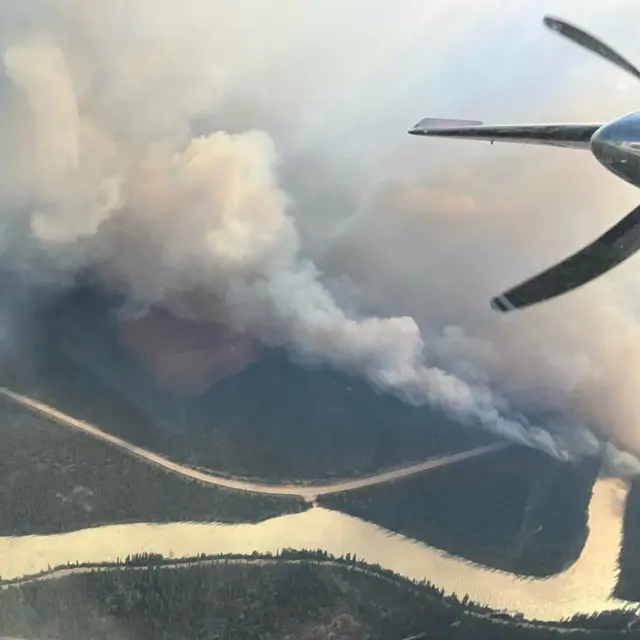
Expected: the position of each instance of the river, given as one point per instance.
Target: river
(585, 587)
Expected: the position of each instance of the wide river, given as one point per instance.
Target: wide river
(585, 587)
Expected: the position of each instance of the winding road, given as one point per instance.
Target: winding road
(306, 491)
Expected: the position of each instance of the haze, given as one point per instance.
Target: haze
(259, 158)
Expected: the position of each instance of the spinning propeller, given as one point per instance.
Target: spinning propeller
(618, 243)
(616, 145)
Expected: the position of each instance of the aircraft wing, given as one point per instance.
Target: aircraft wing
(572, 136)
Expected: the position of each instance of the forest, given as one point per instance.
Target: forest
(54, 479)
(517, 509)
(276, 421)
(628, 586)
(302, 595)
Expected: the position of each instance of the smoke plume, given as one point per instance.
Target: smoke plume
(235, 164)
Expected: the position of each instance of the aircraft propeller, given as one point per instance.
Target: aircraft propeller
(591, 43)
(613, 247)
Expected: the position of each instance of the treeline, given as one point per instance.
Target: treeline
(54, 479)
(518, 509)
(616, 620)
(276, 421)
(263, 596)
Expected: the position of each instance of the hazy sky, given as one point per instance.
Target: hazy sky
(261, 157)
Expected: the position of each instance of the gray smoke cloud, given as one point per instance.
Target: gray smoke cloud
(259, 159)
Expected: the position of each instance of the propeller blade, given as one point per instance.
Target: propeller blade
(591, 43)
(608, 251)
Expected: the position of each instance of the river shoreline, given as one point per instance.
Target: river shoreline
(583, 588)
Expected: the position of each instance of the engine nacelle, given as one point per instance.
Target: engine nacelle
(616, 145)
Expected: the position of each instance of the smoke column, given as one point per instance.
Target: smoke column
(204, 156)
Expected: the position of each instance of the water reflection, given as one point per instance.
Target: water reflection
(583, 588)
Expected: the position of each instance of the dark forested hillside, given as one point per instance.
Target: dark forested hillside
(54, 479)
(517, 509)
(274, 421)
(628, 586)
(299, 595)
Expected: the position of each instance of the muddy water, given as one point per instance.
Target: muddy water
(583, 588)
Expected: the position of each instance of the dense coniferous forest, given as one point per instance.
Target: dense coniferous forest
(298, 595)
(53, 479)
(518, 509)
(275, 421)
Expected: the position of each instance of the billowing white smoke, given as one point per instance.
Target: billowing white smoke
(117, 178)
